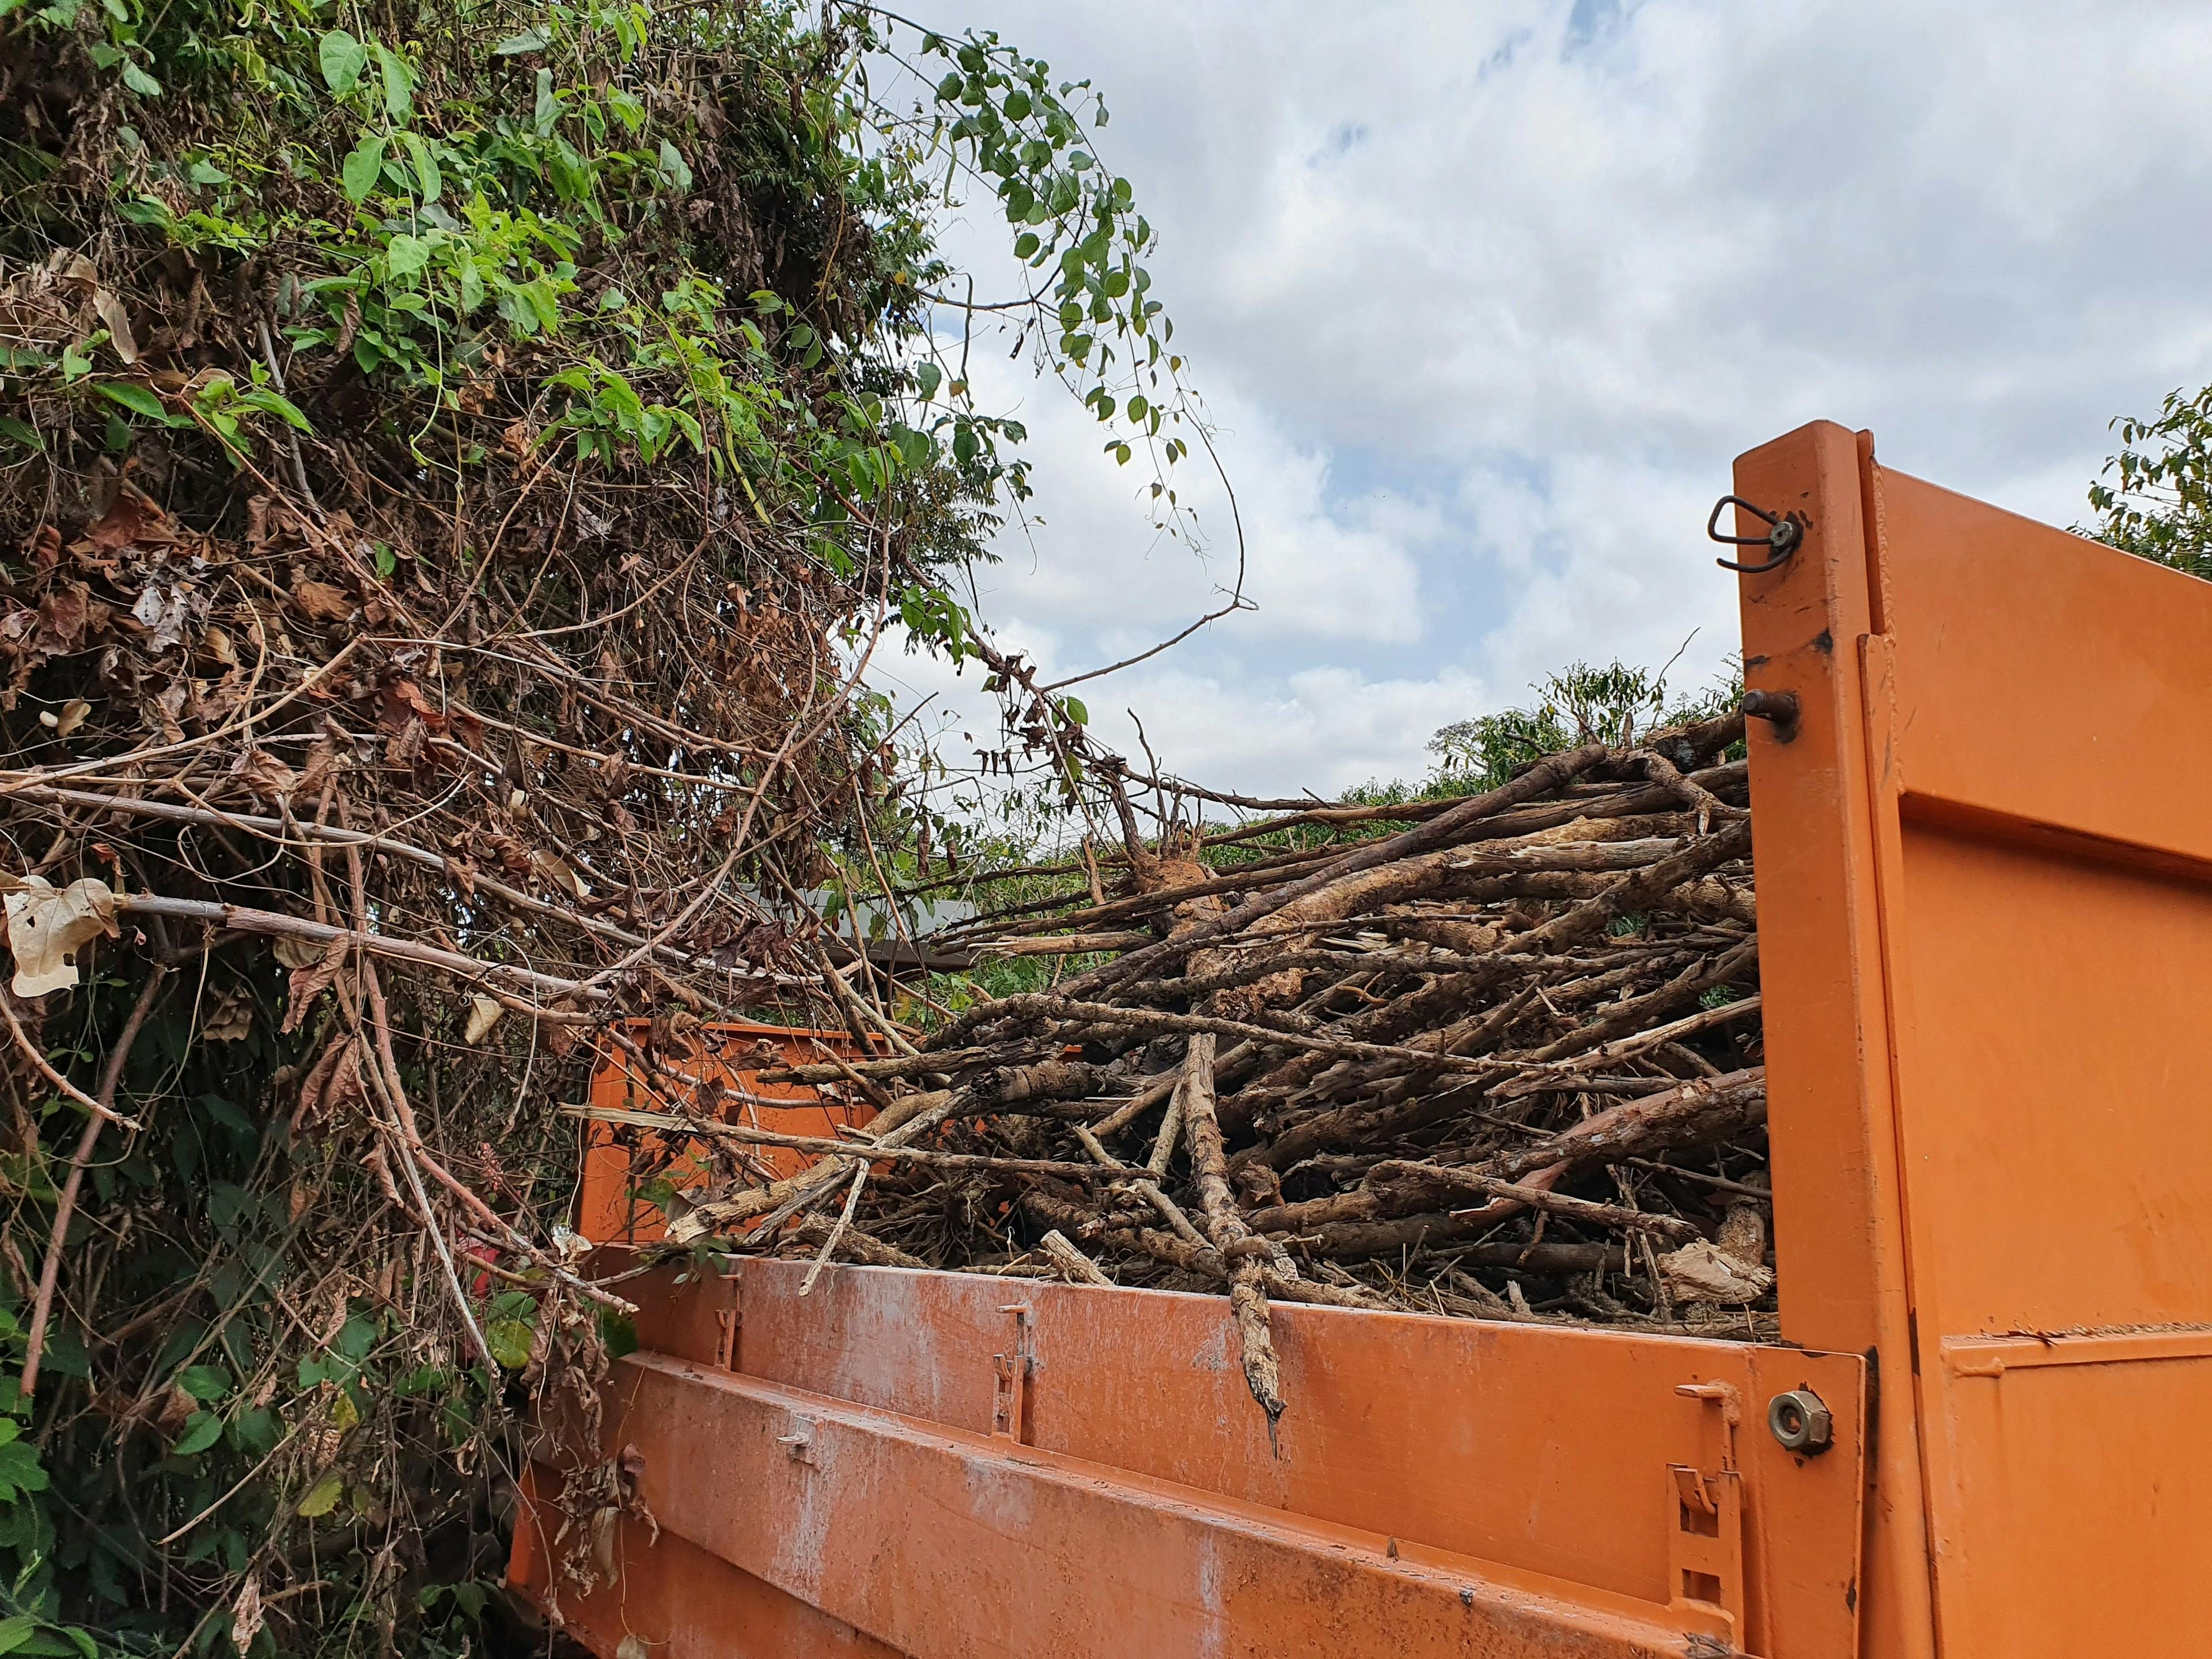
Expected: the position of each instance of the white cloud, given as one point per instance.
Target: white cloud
(1314, 570)
(1488, 295)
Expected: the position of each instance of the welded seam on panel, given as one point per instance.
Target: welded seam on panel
(1993, 1356)
(1882, 779)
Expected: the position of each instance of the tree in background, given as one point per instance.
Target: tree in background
(1579, 704)
(2158, 504)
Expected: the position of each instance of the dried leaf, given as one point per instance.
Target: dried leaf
(320, 760)
(265, 776)
(231, 1018)
(47, 928)
(321, 602)
(484, 1014)
(246, 1614)
(131, 520)
(175, 1408)
(118, 323)
(311, 982)
(72, 716)
(557, 872)
(163, 612)
(295, 952)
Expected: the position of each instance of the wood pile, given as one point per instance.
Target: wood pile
(1497, 1056)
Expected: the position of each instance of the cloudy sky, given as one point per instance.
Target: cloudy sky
(1486, 295)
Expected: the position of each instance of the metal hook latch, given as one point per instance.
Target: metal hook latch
(1781, 540)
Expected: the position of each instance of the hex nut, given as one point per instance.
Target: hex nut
(1800, 1423)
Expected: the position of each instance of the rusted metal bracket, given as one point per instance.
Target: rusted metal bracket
(729, 1322)
(1704, 1546)
(1011, 1375)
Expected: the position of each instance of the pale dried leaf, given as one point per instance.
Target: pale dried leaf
(246, 1614)
(557, 872)
(47, 928)
(72, 716)
(484, 1014)
(294, 953)
(118, 323)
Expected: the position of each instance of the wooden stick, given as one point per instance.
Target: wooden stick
(66, 1207)
(1246, 1255)
(872, 1152)
(1074, 1267)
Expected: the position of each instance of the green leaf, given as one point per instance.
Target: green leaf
(139, 81)
(205, 1383)
(510, 1341)
(426, 166)
(398, 84)
(1075, 710)
(14, 1632)
(275, 402)
(927, 377)
(202, 1430)
(138, 399)
(516, 45)
(21, 432)
(356, 1337)
(362, 167)
(322, 1498)
(343, 58)
(20, 1469)
(404, 255)
(255, 1431)
(673, 165)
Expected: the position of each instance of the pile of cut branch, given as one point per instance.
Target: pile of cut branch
(1496, 1055)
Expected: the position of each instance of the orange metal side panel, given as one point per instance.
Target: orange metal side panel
(1521, 1456)
(732, 1055)
(682, 1600)
(945, 1545)
(1986, 1031)
(2046, 805)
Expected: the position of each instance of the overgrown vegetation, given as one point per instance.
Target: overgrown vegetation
(455, 462)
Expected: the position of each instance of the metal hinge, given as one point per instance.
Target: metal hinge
(1012, 1373)
(1705, 1545)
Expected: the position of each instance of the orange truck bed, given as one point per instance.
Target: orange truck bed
(1985, 876)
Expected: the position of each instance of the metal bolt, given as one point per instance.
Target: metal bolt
(1799, 1422)
(1780, 708)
